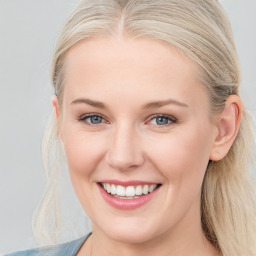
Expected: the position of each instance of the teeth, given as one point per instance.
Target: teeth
(152, 188)
(108, 188)
(145, 189)
(120, 190)
(138, 190)
(113, 189)
(128, 192)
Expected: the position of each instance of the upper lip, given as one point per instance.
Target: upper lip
(128, 182)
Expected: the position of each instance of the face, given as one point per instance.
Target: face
(135, 122)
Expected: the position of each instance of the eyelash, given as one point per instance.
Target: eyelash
(83, 118)
(171, 119)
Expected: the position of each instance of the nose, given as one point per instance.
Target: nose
(124, 149)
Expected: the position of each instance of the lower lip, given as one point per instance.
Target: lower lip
(127, 204)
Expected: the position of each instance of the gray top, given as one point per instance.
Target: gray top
(66, 249)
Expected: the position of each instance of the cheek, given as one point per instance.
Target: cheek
(182, 160)
(83, 151)
(182, 156)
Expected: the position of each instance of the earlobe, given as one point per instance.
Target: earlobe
(55, 105)
(228, 126)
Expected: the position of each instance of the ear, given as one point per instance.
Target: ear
(227, 126)
(55, 105)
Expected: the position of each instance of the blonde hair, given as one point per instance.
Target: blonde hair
(201, 30)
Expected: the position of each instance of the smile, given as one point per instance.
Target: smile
(129, 195)
(128, 192)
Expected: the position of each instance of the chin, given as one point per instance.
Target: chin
(132, 233)
(129, 237)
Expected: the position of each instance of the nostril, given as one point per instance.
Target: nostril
(124, 149)
(124, 162)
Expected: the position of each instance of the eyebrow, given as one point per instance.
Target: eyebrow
(158, 104)
(151, 105)
(90, 102)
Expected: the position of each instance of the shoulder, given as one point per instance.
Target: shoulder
(69, 249)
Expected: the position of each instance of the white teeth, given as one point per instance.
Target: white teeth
(138, 190)
(113, 189)
(108, 188)
(130, 191)
(120, 190)
(152, 188)
(145, 189)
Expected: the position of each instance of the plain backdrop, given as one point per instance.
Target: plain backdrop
(28, 33)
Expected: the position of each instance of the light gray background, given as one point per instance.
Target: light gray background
(28, 33)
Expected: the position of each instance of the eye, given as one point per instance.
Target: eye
(162, 120)
(92, 119)
(95, 119)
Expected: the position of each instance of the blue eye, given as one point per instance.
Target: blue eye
(162, 120)
(92, 119)
(95, 119)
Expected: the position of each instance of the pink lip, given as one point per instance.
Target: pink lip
(127, 183)
(126, 204)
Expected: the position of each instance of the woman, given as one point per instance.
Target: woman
(157, 140)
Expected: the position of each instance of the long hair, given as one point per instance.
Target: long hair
(201, 30)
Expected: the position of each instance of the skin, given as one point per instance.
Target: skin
(126, 75)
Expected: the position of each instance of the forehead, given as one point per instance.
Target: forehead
(114, 66)
(142, 52)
